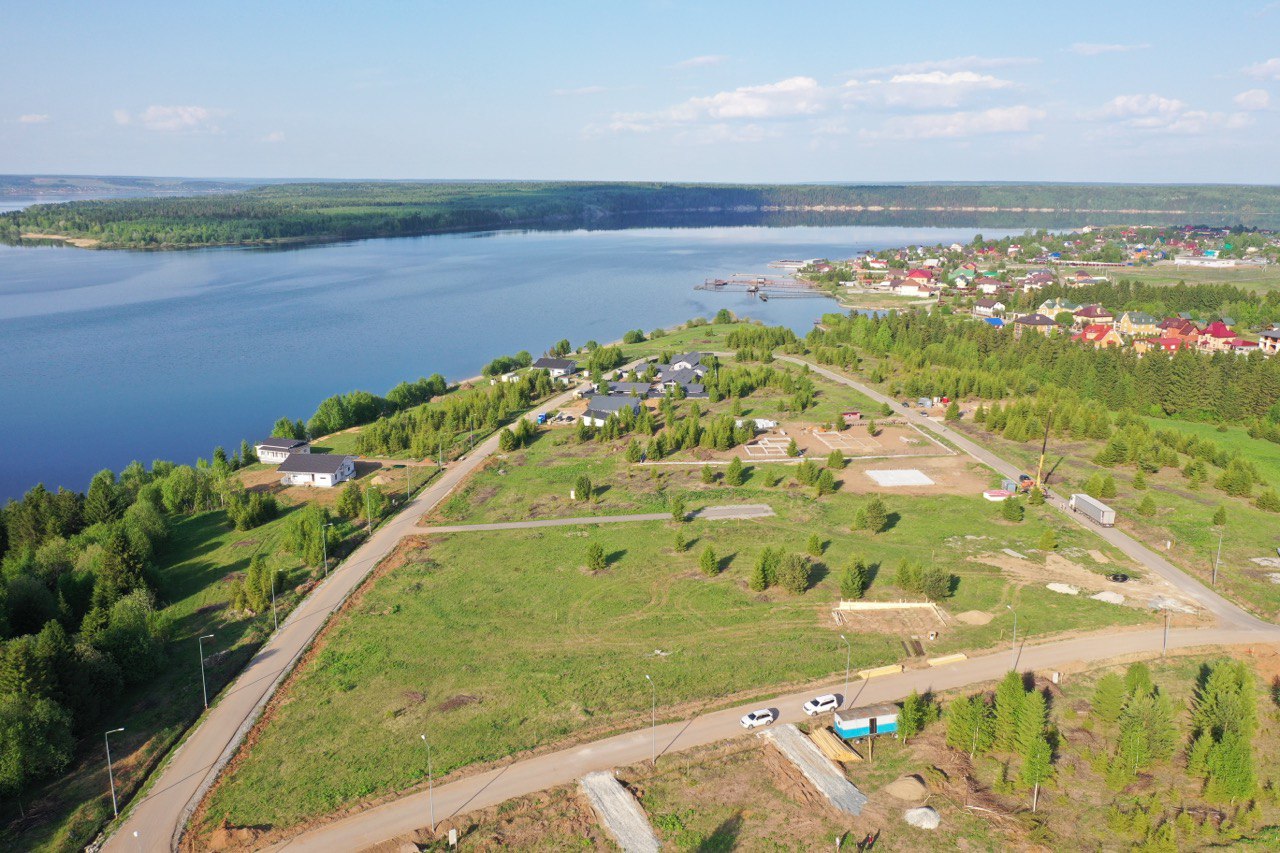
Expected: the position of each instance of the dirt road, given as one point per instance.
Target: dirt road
(408, 814)
(710, 513)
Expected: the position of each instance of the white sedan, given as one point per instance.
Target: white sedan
(758, 718)
(821, 704)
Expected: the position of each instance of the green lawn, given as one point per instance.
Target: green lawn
(1258, 279)
(1262, 453)
(493, 643)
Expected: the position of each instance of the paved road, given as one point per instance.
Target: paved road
(1229, 614)
(538, 773)
(711, 513)
(159, 817)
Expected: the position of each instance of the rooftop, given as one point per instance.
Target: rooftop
(312, 463)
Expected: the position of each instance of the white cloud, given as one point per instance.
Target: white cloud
(173, 119)
(1170, 115)
(1094, 49)
(997, 120)
(700, 61)
(956, 64)
(795, 96)
(581, 90)
(1265, 70)
(923, 89)
(274, 136)
(1253, 99)
(33, 118)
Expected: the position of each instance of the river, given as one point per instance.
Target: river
(110, 356)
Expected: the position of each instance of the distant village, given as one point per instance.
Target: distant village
(988, 279)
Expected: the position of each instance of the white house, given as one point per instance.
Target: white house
(274, 450)
(316, 469)
(557, 367)
(601, 408)
(989, 308)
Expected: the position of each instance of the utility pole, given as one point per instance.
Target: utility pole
(1014, 660)
(324, 544)
(204, 687)
(848, 658)
(653, 724)
(368, 511)
(1218, 559)
(106, 738)
(1164, 647)
(275, 619)
(431, 786)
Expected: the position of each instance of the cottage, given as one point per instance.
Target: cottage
(1244, 347)
(988, 307)
(1036, 322)
(1269, 341)
(1054, 307)
(689, 361)
(601, 408)
(630, 389)
(1094, 315)
(1100, 335)
(557, 367)
(1162, 344)
(1138, 323)
(316, 469)
(276, 450)
(867, 721)
(1176, 327)
(1216, 337)
(914, 287)
(986, 284)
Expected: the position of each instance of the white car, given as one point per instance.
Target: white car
(821, 704)
(758, 718)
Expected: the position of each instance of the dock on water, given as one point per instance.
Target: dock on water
(765, 286)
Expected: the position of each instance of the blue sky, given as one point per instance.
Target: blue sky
(742, 91)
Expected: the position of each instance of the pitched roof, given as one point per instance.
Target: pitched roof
(277, 443)
(611, 404)
(1095, 332)
(1141, 318)
(1036, 319)
(1218, 329)
(1094, 311)
(312, 463)
(545, 363)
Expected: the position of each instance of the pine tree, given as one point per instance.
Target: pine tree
(825, 484)
(853, 581)
(953, 412)
(634, 451)
(980, 415)
(678, 509)
(815, 546)
(681, 543)
(1147, 507)
(1220, 516)
(835, 460)
(1139, 480)
(1108, 487)
(1231, 773)
(876, 515)
(1268, 500)
(759, 580)
(1037, 766)
(709, 562)
(1010, 696)
(582, 488)
(793, 573)
(1033, 719)
(1011, 510)
(970, 725)
(935, 582)
(793, 449)
(707, 475)
(733, 474)
(595, 557)
(350, 503)
(1035, 497)
(913, 716)
(1109, 697)
(1049, 540)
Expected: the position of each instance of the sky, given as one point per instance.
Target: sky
(729, 92)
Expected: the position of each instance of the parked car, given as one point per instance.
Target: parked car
(755, 719)
(821, 704)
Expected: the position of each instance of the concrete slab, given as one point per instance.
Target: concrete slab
(900, 477)
(620, 813)
(817, 768)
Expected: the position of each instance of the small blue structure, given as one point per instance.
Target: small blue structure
(867, 721)
(994, 321)
(542, 417)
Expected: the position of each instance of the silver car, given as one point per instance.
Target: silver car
(756, 719)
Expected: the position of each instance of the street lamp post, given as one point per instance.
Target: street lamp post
(1218, 559)
(275, 619)
(324, 544)
(106, 738)
(653, 723)
(848, 659)
(431, 787)
(1014, 659)
(204, 687)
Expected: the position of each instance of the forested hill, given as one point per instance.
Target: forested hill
(337, 211)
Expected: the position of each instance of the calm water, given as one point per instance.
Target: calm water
(107, 357)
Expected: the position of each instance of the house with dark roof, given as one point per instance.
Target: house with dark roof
(1036, 322)
(274, 450)
(557, 367)
(1094, 315)
(1138, 323)
(324, 470)
(602, 407)
(1269, 341)
(988, 307)
(629, 389)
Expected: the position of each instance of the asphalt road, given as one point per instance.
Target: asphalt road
(538, 773)
(710, 513)
(158, 818)
(1230, 615)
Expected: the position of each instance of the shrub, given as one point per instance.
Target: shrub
(595, 557)
(1011, 510)
(793, 573)
(582, 488)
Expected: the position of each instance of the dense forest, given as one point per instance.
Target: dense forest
(337, 211)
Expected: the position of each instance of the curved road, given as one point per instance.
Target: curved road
(159, 816)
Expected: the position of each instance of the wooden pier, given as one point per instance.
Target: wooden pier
(764, 286)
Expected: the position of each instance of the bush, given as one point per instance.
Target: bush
(595, 557)
(1269, 500)
(635, 336)
(793, 573)
(582, 488)
(1220, 516)
(1048, 540)
(1011, 510)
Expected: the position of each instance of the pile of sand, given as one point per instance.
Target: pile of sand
(909, 788)
(923, 817)
(974, 617)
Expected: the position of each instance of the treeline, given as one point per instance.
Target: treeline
(356, 408)
(353, 210)
(435, 428)
(79, 599)
(1205, 301)
(932, 355)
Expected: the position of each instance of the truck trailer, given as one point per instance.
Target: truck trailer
(1095, 510)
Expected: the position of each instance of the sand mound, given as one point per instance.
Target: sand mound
(908, 788)
(974, 617)
(923, 817)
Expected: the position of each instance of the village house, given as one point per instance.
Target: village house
(1269, 341)
(629, 389)
(1216, 337)
(1036, 322)
(1100, 335)
(602, 407)
(557, 367)
(1138, 324)
(988, 285)
(1054, 307)
(1180, 329)
(1169, 345)
(273, 450)
(1094, 315)
(914, 287)
(323, 470)
(1241, 346)
(989, 308)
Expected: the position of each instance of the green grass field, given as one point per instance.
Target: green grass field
(1257, 279)
(493, 643)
